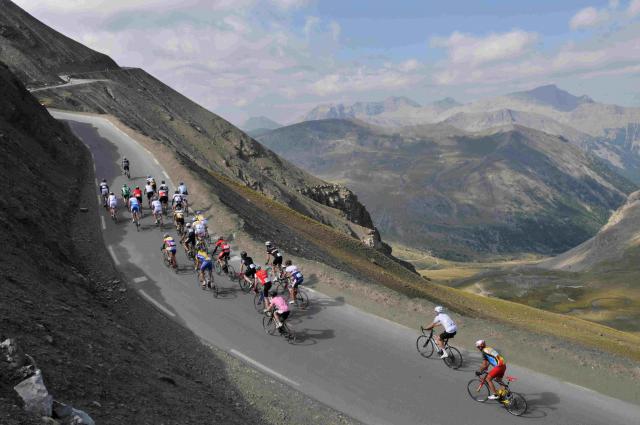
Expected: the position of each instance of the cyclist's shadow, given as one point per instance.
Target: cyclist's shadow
(538, 404)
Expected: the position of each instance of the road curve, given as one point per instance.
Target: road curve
(357, 363)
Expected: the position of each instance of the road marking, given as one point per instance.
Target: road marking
(99, 200)
(156, 161)
(113, 255)
(140, 279)
(94, 169)
(156, 303)
(247, 359)
(166, 175)
(104, 224)
(96, 179)
(580, 387)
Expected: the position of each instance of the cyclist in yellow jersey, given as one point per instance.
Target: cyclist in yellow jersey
(203, 265)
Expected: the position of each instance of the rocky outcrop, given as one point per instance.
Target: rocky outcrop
(341, 198)
(372, 240)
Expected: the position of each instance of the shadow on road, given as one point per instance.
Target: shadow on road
(539, 404)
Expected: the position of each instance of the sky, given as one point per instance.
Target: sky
(281, 58)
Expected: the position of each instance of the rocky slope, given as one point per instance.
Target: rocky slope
(152, 108)
(26, 46)
(101, 349)
(617, 238)
(513, 190)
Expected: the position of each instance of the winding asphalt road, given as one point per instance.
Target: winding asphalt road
(357, 363)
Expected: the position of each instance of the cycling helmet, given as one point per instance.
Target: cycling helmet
(124, 185)
(439, 309)
(162, 182)
(176, 192)
(220, 238)
(258, 267)
(125, 158)
(287, 263)
(188, 224)
(104, 180)
(111, 193)
(480, 343)
(166, 235)
(243, 254)
(137, 187)
(148, 177)
(268, 243)
(273, 294)
(181, 183)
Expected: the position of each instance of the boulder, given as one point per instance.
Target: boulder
(35, 396)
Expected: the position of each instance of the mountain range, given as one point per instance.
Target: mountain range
(259, 123)
(506, 190)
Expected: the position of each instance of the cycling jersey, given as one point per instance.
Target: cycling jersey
(163, 193)
(263, 276)
(137, 193)
(163, 187)
(157, 206)
(291, 269)
(104, 188)
(113, 201)
(281, 305)
(246, 261)
(199, 228)
(203, 256)
(126, 192)
(134, 204)
(177, 198)
(223, 245)
(125, 164)
(179, 216)
(182, 189)
(169, 244)
(149, 189)
(447, 323)
(493, 357)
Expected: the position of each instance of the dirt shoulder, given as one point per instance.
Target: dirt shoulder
(233, 211)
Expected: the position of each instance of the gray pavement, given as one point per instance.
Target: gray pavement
(357, 363)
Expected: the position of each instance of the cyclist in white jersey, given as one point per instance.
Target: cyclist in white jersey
(156, 206)
(450, 329)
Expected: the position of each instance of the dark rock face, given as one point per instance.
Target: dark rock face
(341, 198)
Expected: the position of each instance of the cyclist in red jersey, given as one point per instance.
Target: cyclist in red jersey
(225, 252)
(263, 277)
(491, 357)
(137, 193)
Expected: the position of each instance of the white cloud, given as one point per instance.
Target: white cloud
(409, 65)
(335, 30)
(362, 80)
(310, 24)
(290, 4)
(465, 48)
(588, 17)
(634, 8)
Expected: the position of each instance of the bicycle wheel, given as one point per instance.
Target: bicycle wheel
(165, 260)
(425, 346)
(302, 299)
(231, 271)
(214, 289)
(218, 268)
(515, 404)
(478, 394)
(269, 325)
(258, 303)
(289, 333)
(454, 361)
(244, 285)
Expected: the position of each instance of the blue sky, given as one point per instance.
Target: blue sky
(280, 58)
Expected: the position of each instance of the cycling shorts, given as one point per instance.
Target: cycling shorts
(277, 261)
(265, 288)
(178, 205)
(135, 208)
(149, 195)
(139, 198)
(447, 335)
(164, 199)
(180, 220)
(223, 255)
(250, 272)
(497, 371)
(157, 211)
(126, 167)
(113, 204)
(206, 265)
(171, 249)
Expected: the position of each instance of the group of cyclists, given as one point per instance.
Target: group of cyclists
(203, 250)
(490, 357)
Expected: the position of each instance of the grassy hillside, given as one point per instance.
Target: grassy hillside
(461, 195)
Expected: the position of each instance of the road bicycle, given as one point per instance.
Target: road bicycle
(209, 283)
(167, 261)
(114, 215)
(126, 172)
(282, 282)
(226, 268)
(426, 345)
(244, 285)
(286, 331)
(513, 402)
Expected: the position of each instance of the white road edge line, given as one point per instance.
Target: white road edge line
(140, 279)
(104, 224)
(113, 255)
(272, 372)
(580, 387)
(156, 303)
(99, 200)
(166, 175)
(156, 161)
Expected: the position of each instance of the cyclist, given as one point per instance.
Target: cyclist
(203, 264)
(278, 305)
(163, 193)
(176, 201)
(262, 277)
(125, 166)
(157, 210)
(491, 357)
(104, 191)
(178, 220)
(134, 207)
(296, 278)
(272, 251)
(189, 239)
(450, 329)
(126, 193)
(199, 224)
(248, 267)
(169, 247)
(182, 189)
(225, 252)
(150, 191)
(137, 193)
(113, 204)
(151, 182)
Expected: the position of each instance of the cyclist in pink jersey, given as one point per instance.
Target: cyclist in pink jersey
(280, 308)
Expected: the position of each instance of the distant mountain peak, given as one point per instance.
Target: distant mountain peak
(359, 109)
(446, 103)
(553, 96)
(260, 123)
